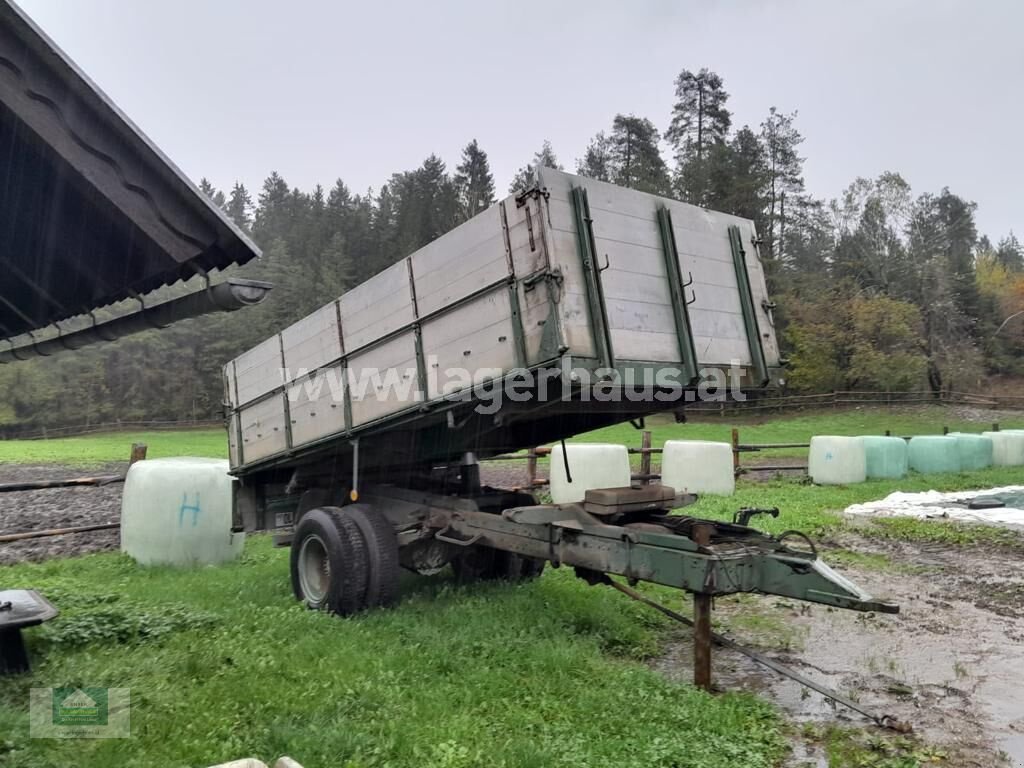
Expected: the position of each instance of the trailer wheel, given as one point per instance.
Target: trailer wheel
(382, 550)
(488, 564)
(529, 567)
(329, 562)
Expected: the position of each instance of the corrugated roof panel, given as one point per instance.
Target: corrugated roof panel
(91, 212)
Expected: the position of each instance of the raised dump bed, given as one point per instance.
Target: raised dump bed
(356, 433)
(577, 279)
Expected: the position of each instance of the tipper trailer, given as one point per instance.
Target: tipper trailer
(355, 434)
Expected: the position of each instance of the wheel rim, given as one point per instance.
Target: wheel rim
(314, 569)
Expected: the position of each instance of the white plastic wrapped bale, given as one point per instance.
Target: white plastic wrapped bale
(975, 450)
(591, 465)
(698, 466)
(930, 454)
(837, 460)
(1007, 448)
(178, 512)
(886, 457)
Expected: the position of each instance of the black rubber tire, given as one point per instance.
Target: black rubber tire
(382, 550)
(346, 558)
(487, 564)
(529, 567)
(475, 564)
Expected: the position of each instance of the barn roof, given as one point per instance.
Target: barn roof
(91, 211)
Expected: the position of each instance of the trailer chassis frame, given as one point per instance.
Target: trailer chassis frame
(629, 532)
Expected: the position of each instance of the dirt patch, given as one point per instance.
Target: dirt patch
(951, 663)
(69, 507)
(986, 416)
(506, 474)
(783, 466)
(58, 508)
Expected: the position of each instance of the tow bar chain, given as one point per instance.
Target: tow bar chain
(883, 721)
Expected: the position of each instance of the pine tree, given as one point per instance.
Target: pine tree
(948, 330)
(635, 159)
(215, 195)
(317, 232)
(425, 206)
(739, 176)
(1010, 253)
(597, 161)
(338, 273)
(525, 176)
(339, 206)
(363, 253)
(239, 207)
(385, 234)
(960, 239)
(700, 121)
(272, 215)
(474, 181)
(785, 173)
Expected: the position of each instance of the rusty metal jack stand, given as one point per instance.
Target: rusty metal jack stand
(702, 641)
(702, 606)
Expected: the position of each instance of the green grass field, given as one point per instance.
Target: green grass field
(91, 450)
(224, 663)
(799, 427)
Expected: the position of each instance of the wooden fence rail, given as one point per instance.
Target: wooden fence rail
(767, 403)
(851, 398)
(646, 451)
(48, 433)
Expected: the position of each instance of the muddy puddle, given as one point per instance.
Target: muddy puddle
(951, 663)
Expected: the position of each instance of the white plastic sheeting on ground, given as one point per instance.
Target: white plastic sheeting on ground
(949, 506)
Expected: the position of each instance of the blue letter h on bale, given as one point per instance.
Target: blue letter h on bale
(186, 507)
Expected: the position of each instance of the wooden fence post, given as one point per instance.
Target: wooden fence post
(645, 457)
(138, 453)
(531, 468)
(735, 450)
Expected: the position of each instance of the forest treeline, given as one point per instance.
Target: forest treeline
(881, 288)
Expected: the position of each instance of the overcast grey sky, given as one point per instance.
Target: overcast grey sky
(232, 89)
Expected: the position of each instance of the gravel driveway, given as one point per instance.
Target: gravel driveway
(58, 508)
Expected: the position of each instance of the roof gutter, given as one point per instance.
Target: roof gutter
(229, 296)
